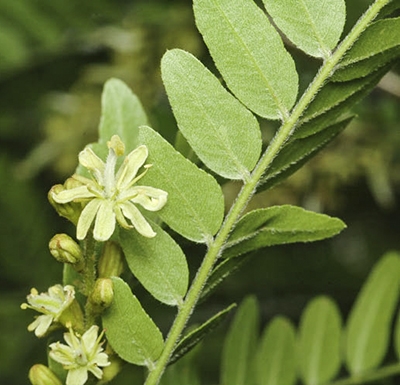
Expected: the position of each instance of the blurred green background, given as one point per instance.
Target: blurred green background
(54, 59)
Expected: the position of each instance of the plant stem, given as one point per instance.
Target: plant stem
(248, 189)
(89, 278)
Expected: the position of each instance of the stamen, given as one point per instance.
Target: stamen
(109, 173)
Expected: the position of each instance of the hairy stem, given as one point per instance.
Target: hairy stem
(248, 189)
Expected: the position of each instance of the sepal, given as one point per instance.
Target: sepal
(71, 210)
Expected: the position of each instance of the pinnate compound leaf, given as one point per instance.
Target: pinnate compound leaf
(276, 355)
(122, 114)
(249, 54)
(279, 225)
(158, 263)
(223, 133)
(195, 206)
(298, 151)
(378, 45)
(190, 340)
(369, 324)
(130, 331)
(313, 26)
(240, 344)
(319, 346)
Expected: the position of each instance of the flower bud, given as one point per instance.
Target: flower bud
(111, 261)
(64, 249)
(110, 371)
(73, 317)
(102, 294)
(42, 375)
(71, 210)
(71, 183)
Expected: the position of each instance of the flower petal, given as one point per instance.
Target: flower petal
(72, 340)
(137, 219)
(86, 218)
(70, 195)
(128, 170)
(120, 218)
(152, 199)
(96, 371)
(77, 376)
(62, 354)
(89, 338)
(41, 325)
(101, 359)
(88, 159)
(105, 221)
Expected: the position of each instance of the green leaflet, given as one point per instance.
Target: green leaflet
(279, 225)
(190, 340)
(369, 323)
(122, 114)
(182, 146)
(319, 345)
(223, 270)
(313, 26)
(298, 151)
(139, 341)
(333, 100)
(195, 206)
(378, 45)
(250, 55)
(184, 372)
(240, 345)
(367, 66)
(388, 9)
(158, 263)
(397, 336)
(275, 359)
(223, 133)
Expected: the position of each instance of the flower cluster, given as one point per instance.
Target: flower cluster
(101, 201)
(112, 195)
(82, 354)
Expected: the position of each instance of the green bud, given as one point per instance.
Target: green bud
(64, 249)
(72, 317)
(110, 371)
(102, 294)
(71, 183)
(41, 375)
(71, 210)
(111, 262)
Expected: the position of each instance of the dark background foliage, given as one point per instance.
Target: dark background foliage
(55, 57)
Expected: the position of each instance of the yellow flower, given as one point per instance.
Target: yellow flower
(112, 195)
(52, 304)
(81, 355)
